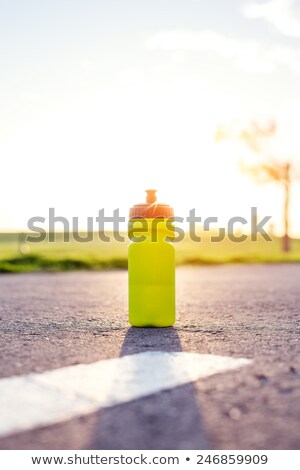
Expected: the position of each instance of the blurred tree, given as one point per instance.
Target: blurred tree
(268, 169)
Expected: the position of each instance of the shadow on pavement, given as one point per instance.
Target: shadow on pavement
(169, 419)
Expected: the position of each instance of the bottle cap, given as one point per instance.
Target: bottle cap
(151, 209)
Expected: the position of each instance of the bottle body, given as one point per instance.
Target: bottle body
(151, 273)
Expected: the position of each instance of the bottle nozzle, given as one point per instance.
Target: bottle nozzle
(151, 196)
(152, 209)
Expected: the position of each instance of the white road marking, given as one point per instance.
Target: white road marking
(35, 400)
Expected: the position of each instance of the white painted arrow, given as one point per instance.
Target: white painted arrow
(35, 400)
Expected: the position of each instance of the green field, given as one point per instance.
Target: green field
(17, 255)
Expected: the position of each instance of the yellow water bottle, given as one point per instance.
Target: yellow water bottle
(151, 264)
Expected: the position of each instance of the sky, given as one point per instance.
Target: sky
(102, 99)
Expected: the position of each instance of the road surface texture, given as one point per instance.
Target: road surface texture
(49, 321)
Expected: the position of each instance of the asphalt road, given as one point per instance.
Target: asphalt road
(48, 321)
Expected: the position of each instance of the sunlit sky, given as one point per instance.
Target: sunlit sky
(100, 100)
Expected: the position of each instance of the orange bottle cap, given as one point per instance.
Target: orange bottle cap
(151, 209)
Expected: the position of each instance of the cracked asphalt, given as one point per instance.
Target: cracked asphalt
(53, 320)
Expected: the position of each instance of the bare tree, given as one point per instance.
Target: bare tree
(269, 168)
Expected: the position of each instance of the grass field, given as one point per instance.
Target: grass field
(17, 255)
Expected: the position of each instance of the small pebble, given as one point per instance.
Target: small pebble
(235, 414)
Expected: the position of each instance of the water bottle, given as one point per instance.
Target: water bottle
(151, 264)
